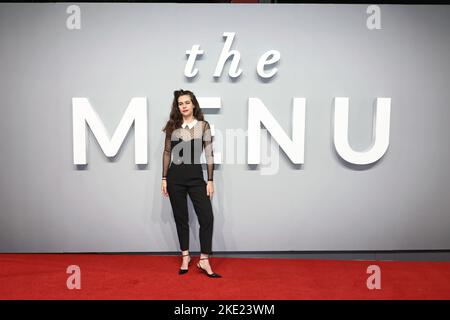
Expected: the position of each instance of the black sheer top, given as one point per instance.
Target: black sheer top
(197, 138)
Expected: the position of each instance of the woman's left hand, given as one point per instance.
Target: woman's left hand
(210, 189)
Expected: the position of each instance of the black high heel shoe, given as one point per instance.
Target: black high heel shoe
(211, 275)
(183, 271)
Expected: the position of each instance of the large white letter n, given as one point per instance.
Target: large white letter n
(258, 113)
(83, 113)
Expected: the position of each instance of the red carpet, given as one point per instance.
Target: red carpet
(43, 276)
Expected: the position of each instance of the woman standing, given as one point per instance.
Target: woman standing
(187, 134)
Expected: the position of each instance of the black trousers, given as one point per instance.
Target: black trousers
(183, 180)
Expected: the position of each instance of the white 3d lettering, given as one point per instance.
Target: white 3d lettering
(84, 113)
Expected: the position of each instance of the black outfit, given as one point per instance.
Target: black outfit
(185, 176)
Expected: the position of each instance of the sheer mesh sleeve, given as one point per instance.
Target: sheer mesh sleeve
(209, 154)
(166, 155)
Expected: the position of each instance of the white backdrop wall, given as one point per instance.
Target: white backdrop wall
(121, 51)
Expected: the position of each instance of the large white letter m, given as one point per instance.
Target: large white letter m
(83, 113)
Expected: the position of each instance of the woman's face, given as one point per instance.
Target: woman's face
(185, 105)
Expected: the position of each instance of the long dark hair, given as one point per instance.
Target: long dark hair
(176, 118)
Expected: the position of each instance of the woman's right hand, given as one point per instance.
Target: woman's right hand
(164, 188)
